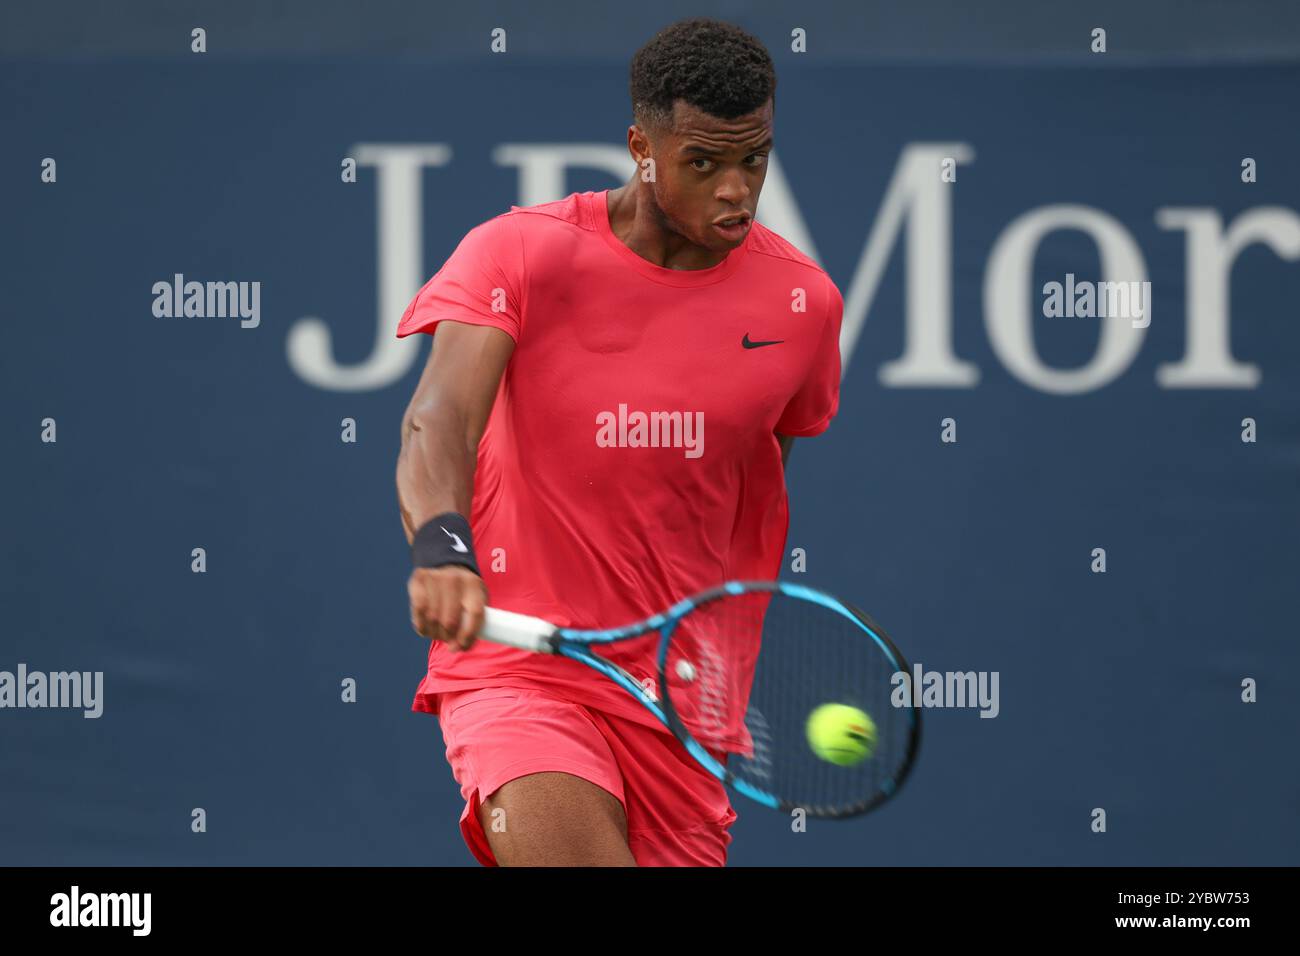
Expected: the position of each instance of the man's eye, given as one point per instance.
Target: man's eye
(758, 159)
(704, 168)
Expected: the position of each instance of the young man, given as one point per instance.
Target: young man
(527, 471)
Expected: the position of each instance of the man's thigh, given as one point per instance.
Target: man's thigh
(678, 814)
(540, 782)
(556, 819)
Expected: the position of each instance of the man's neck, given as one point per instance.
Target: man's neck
(635, 221)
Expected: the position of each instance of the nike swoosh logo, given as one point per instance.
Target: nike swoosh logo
(758, 345)
(458, 544)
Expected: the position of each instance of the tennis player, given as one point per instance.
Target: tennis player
(602, 427)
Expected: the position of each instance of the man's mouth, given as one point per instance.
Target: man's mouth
(732, 227)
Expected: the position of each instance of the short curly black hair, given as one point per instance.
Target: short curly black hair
(714, 66)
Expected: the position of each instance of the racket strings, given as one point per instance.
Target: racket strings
(756, 707)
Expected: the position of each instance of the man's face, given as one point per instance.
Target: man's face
(709, 169)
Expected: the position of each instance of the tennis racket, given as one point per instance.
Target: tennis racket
(745, 715)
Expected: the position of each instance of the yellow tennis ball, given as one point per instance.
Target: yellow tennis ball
(841, 734)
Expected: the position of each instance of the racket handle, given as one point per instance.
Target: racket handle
(518, 630)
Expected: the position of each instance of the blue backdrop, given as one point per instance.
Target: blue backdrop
(1119, 690)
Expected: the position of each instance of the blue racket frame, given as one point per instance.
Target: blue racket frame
(574, 643)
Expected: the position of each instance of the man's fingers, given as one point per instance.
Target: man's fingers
(424, 607)
(447, 605)
(446, 617)
(471, 619)
(415, 592)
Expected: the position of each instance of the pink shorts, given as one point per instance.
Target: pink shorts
(678, 814)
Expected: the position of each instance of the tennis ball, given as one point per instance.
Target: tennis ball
(841, 734)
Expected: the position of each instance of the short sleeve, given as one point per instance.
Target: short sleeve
(481, 283)
(813, 406)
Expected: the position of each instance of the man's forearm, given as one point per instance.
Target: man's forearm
(435, 468)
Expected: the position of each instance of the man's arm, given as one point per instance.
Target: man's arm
(441, 430)
(786, 442)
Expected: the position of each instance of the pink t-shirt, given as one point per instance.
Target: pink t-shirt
(629, 460)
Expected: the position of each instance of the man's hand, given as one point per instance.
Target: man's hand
(447, 604)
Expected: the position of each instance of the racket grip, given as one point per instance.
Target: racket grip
(518, 630)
